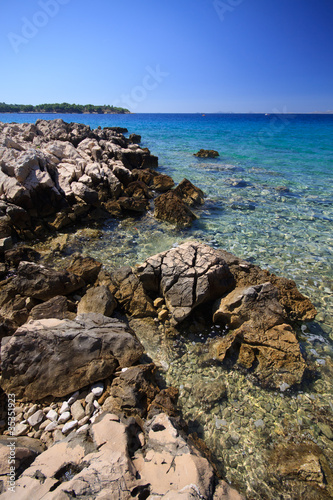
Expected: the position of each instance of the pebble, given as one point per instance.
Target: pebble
(31, 411)
(234, 437)
(64, 417)
(97, 389)
(36, 418)
(83, 429)
(69, 426)
(52, 415)
(73, 398)
(326, 430)
(51, 427)
(83, 420)
(21, 430)
(259, 423)
(90, 397)
(64, 407)
(77, 410)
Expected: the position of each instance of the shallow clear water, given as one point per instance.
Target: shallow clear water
(280, 217)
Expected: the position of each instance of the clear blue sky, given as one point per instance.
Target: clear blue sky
(169, 56)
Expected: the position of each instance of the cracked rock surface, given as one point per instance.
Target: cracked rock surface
(186, 276)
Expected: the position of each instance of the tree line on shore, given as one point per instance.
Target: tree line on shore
(64, 107)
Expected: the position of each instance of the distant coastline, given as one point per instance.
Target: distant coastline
(62, 108)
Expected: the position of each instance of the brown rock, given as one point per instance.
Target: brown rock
(86, 268)
(190, 194)
(90, 348)
(57, 307)
(133, 391)
(98, 299)
(42, 283)
(260, 337)
(169, 207)
(129, 292)
(206, 153)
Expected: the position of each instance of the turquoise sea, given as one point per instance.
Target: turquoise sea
(269, 199)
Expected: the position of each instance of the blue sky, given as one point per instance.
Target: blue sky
(174, 56)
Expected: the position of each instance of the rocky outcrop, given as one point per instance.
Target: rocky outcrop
(120, 460)
(207, 153)
(190, 194)
(98, 299)
(186, 276)
(90, 348)
(260, 336)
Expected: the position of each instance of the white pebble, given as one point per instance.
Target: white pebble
(64, 407)
(52, 415)
(73, 398)
(64, 417)
(69, 426)
(83, 429)
(97, 389)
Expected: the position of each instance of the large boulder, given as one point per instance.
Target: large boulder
(40, 282)
(186, 276)
(56, 357)
(260, 338)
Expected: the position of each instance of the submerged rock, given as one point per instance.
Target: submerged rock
(207, 153)
(260, 337)
(171, 208)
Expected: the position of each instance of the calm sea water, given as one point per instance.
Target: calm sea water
(269, 199)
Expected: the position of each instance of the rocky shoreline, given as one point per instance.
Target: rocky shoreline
(93, 419)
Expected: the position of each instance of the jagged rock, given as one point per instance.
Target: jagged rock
(129, 292)
(21, 253)
(57, 307)
(86, 268)
(91, 348)
(302, 469)
(133, 204)
(206, 153)
(190, 194)
(297, 306)
(135, 138)
(98, 299)
(133, 391)
(186, 276)
(260, 335)
(40, 282)
(159, 182)
(169, 207)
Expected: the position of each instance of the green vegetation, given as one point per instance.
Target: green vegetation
(64, 107)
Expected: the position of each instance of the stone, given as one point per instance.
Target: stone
(133, 391)
(130, 293)
(21, 429)
(170, 207)
(186, 276)
(91, 348)
(69, 426)
(36, 418)
(190, 194)
(260, 334)
(64, 407)
(40, 282)
(86, 268)
(135, 138)
(83, 429)
(77, 411)
(52, 415)
(97, 389)
(57, 307)
(51, 427)
(163, 315)
(206, 153)
(64, 417)
(224, 491)
(98, 299)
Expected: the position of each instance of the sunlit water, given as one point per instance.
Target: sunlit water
(269, 200)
